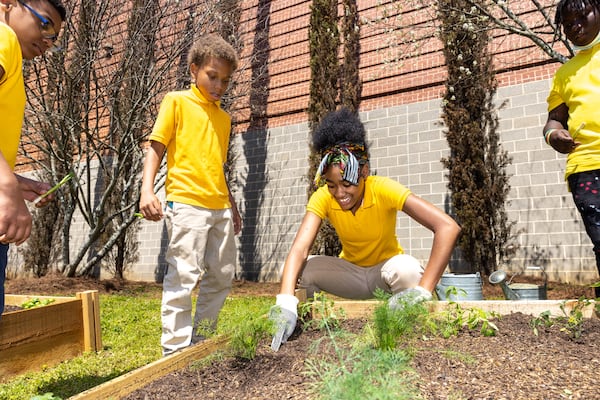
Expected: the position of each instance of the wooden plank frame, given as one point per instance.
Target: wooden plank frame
(360, 308)
(125, 384)
(43, 336)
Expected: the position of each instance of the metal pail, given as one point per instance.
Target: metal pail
(469, 287)
(529, 291)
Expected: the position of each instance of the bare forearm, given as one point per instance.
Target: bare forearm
(444, 242)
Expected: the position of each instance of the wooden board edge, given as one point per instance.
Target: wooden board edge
(359, 308)
(125, 384)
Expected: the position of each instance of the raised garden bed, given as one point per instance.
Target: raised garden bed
(170, 372)
(33, 338)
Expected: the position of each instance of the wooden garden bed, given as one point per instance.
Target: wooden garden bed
(31, 339)
(128, 383)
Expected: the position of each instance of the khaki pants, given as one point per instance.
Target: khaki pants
(342, 278)
(201, 246)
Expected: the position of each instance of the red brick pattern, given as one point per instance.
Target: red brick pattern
(411, 70)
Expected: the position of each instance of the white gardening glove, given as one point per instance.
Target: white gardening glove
(284, 315)
(409, 296)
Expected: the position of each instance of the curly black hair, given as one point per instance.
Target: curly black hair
(212, 46)
(577, 6)
(337, 127)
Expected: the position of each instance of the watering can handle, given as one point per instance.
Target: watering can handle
(539, 268)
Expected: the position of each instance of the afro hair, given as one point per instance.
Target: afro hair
(338, 127)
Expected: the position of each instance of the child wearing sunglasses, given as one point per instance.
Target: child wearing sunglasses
(28, 28)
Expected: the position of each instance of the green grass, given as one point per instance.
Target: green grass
(131, 331)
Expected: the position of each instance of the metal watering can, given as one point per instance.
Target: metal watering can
(520, 291)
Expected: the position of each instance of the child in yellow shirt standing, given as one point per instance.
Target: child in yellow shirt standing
(28, 28)
(201, 216)
(573, 125)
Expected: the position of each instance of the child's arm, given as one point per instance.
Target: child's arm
(15, 219)
(150, 205)
(445, 233)
(237, 218)
(556, 132)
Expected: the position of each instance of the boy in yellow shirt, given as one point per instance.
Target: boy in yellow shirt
(201, 216)
(27, 29)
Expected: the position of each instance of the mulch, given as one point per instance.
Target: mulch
(515, 364)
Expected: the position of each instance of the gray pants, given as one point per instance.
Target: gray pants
(201, 245)
(342, 278)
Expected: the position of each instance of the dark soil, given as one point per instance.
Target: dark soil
(514, 364)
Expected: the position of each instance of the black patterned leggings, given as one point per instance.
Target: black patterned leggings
(585, 188)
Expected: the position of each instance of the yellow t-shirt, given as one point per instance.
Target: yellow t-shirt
(12, 94)
(577, 85)
(369, 236)
(195, 132)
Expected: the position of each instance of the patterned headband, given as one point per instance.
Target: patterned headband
(347, 155)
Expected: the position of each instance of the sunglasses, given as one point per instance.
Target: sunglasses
(46, 26)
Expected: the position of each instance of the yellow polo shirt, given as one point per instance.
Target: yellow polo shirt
(577, 84)
(12, 94)
(195, 132)
(369, 236)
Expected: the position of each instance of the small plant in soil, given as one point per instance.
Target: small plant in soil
(36, 302)
(454, 292)
(571, 322)
(452, 320)
(322, 308)
(390, 325)
(247, 334)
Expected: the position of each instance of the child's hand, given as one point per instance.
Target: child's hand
(15, 219)
(32, 189)
(150, 206)
(561, 141)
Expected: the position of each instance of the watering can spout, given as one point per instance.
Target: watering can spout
(499, 278)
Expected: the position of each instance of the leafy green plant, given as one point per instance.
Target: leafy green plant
(544, 319)
(320, 313)
(248, 333)
(476, 317)
(454, 318)
(573, 322)
(36, 302)
(452, 292)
